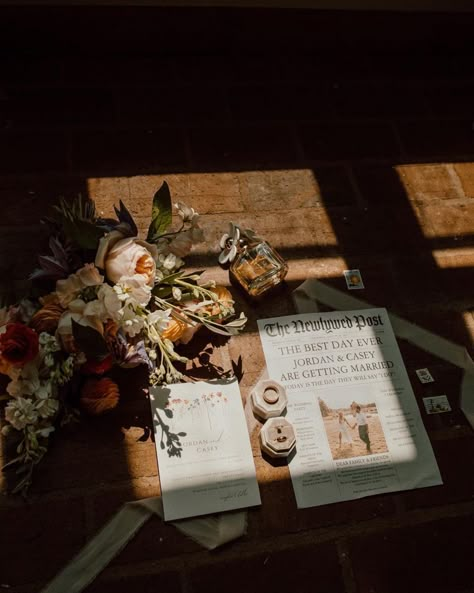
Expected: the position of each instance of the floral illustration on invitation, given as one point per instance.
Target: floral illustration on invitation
(214, 469)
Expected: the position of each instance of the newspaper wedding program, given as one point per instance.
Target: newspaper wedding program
(358, 426)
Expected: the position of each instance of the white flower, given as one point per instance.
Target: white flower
(129, 257)
(106, 306)
(26, 382)
(20, 412)
(67, 290)
(229, 244)
(47, 407)
(89, 275)
(133, 291)
(131, 323)
(157, 323)
(110, 301)
(105, 244)
(45, 432)
(186, 213)
(169, 263)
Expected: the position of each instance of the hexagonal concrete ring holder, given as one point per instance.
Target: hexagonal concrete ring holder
(277, 437)
(268, 399)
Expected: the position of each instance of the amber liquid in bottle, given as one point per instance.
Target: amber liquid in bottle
(258, 268)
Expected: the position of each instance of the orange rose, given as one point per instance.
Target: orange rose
(175, 330)
(47, 318)
(18, 344)
(99, 395)
(224, 297)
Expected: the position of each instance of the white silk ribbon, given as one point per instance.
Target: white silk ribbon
(210, 531)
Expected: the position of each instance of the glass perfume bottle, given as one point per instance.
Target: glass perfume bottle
(255, 265)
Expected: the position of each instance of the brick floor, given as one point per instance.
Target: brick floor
(345, 139)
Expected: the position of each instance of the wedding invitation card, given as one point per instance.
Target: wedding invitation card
(204, 455)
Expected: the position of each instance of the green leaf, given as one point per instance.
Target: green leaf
(171, 278)
(124, 216)
(162, 292)
(83, 233)
(160, 214)
(89, 340)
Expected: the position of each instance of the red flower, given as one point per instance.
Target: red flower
(97, 367)
(18, 344)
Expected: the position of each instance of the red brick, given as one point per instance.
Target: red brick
(449, 225)
(19, 248)
(451, 98)
(326, 66)
(428, 557)
(458, 485)
(25, 201)
(156, 539)
(216, 193)
(30, 69)
(280, 102)
(437, 138)
(426, 183)
(128, 151)
(298, 188)
(26, 152)
(145, 583)
(117, 70)
(150, 106)
(447, 323)
(46, 108)
(233, 147)
(465, 171)
(419, 280)
(380, 184)
(314, 568)
(371, 230)
(338, 141)
(48, 534)
(370, 100)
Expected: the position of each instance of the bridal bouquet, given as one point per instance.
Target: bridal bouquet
(108, 298)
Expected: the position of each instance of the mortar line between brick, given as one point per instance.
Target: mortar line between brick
(455, 181)
(360, 200)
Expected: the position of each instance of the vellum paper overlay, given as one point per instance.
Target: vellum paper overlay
(358, 426)
(204, 455)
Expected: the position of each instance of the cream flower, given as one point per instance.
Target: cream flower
(67, 290)
(187, 213)
(26, 382)
(131, 323)
(89, 275)
(47, 407)
(106, 306)
(133, 291)
(20, 412)
(169, 263)
(129, 257)
(157, 323)
(105, 244)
